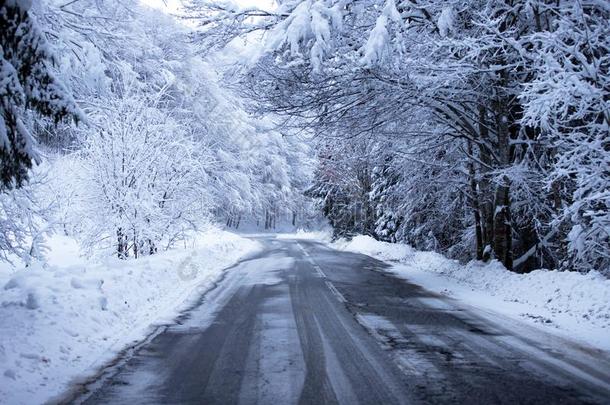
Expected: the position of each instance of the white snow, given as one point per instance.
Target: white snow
(66, 319)
(445, 21)
(378, 38)
(309, 22)
(371, 247)
(307, 235)
(571, 304)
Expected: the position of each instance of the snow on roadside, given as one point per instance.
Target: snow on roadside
(569, 303)
(62, 321)
(324, 236)
(374, 248)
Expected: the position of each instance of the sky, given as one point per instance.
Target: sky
(173, 5)
(240, 50)
(167, 5)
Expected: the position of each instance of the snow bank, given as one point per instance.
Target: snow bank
(573, 304)
(60, 321)
(371, 247)
(324, 236)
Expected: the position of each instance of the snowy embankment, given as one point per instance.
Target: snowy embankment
(572, 304)
(61, 321)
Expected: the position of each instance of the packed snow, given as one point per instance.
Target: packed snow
(573, 304)
(66, 319)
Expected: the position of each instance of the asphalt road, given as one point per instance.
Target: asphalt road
(301, 323)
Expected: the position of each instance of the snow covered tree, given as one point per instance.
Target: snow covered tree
(143, 187)
(25, 220)
(386, 177)
(26, 83)
(152, 101)
(566, 104)
(510, 99)
(343, 182)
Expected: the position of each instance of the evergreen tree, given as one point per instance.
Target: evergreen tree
(26, 83)
(385, 181)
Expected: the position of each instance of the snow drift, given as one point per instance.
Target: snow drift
(58, 322)
(572, 303)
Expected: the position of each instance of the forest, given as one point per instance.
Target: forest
(479, 129)
(116, 130)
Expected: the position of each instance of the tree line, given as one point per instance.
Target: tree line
(479, 129)
(116, 130)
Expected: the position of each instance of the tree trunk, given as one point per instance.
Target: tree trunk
(273, 218)
(502, 243)
(121, 245)
(475, 206)
(503, 248)
(485, 192)
(152, 248)
(135, 246)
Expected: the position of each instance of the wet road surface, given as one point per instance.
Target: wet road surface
(301, 323)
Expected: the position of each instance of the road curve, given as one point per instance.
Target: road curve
(302, 323)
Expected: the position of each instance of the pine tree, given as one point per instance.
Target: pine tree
(26, 83)
(385, 181)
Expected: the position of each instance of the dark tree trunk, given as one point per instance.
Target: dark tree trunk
(475, 206)
(485, 193)
(121, 244)
(273, 218)
(152, 248)
(502, 243)
(503, 248)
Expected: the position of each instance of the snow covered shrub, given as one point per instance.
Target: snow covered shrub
(142, 182)
(24, 222)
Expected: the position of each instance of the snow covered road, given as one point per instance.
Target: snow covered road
(302, 323)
